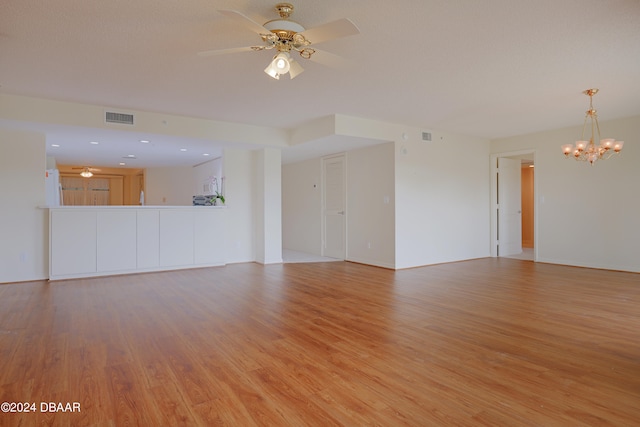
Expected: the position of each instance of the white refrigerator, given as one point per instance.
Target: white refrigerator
(53, 188)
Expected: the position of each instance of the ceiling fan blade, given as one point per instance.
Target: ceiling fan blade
(245, 20)
(231, 50)
(331, 30)
(329, 59)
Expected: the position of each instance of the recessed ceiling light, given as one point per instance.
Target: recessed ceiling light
(94, 143)
(55, 145)
(122, 163)
(205, 154)
(183, 149)
(144, 141)
(131, 155)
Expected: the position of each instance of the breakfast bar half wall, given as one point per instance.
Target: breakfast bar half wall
(87, 241)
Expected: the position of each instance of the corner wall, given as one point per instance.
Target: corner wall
(371, 205)
(442, 200)
(302, 206)
(24, 245)
(237, 168)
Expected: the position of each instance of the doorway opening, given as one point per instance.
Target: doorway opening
(513, 205)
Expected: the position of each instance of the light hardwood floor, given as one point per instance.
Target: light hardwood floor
(489, 342)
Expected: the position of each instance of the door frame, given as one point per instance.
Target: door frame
(494, 200)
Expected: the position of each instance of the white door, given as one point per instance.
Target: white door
(333, 207)
(509, 207)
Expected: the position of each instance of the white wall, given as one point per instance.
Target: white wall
(267, 205)
(170, 186)
(23, 226)
(239, 194)
(442, 200)
(586, 215)
(302, 206)
(371, 206)
(203, 175)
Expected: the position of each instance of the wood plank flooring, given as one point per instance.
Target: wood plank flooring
(489, 342)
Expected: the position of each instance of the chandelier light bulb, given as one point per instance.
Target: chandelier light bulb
(607, 144)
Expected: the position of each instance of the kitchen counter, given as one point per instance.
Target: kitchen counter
(89, 241)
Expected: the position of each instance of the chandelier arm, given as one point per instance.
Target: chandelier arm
(584, 126)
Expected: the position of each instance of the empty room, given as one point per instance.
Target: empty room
(319, 213)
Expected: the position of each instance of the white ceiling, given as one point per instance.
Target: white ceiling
(492, 68)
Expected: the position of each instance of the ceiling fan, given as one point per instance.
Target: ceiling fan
(287, 36)
(87, 172)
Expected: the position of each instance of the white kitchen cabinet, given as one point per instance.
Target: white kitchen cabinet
(116, 240)
(176, 238)
(148, 238)
(72, 242)
(103, 240)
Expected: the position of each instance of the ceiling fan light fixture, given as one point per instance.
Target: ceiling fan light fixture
(86, 173)
(272, 71)
(294, 68)
(281, 64)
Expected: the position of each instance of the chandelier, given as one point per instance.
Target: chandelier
(587, 151)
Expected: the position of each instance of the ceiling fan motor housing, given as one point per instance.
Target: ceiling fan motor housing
(284, 28)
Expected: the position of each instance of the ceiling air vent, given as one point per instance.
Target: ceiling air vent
(426, 136)
(121, 118)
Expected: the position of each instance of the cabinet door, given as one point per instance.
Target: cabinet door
(148, 238)
(209, 244)
(73, 242)
(176, 238)
(116, 240)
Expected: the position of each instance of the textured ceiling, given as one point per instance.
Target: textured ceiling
(492, 68)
